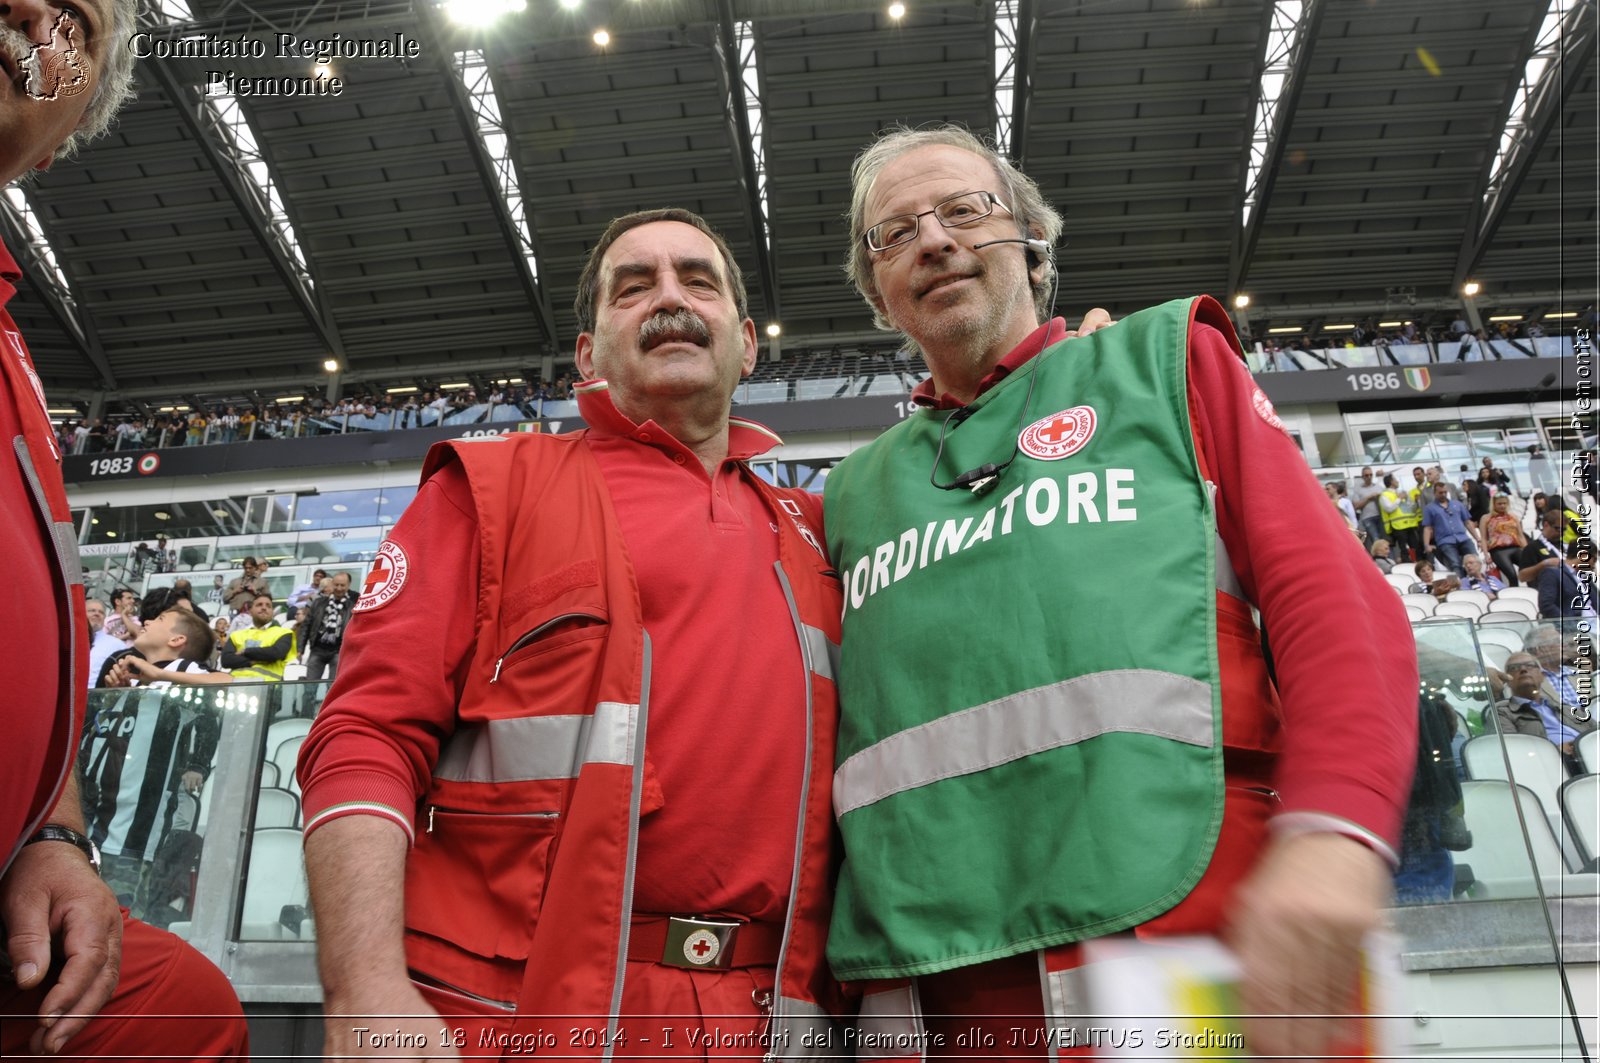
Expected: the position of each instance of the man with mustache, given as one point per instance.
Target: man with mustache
(1035, 750)
(101, 984)
(591, 792)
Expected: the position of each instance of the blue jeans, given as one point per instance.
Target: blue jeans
(1450, 554)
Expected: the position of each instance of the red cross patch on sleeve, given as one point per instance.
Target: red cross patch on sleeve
(385, 579)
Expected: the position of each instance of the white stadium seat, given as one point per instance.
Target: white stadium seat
(1511, 640)
(277, 808)
(1465, 610)
(276, 879)
(1477, 598)
(1580, 806)
(1425, 602)
(1518, 606)
(1499, 858)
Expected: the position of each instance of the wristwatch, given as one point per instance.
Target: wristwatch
(54, 832)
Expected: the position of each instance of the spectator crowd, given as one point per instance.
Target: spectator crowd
(1462, 534)
(232, 423)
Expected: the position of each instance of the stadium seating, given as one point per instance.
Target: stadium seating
(1511, 640)
(1478, 598)
(1580, 807)
(1519, 606)
(1503, 617)
(1427, 603)
(1535, 763)
(1499, 855)
(275, 881)
(277, 808)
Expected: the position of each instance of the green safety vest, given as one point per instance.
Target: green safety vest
(1030, 744)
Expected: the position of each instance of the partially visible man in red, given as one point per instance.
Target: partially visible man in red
(80, 971)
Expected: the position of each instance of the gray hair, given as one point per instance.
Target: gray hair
(1036, 218)
(115, 86)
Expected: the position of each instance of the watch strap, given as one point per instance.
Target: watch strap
(55, 832)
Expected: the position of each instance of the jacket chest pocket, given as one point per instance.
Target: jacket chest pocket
(476, 879)
(556, 664)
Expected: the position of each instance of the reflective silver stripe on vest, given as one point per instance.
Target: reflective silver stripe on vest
(803, 1030)
(63, 536)
(65, 541)
(891, 1024)
(1227, 579)
(1063, 1007)
(1127, 701)
(824, 652)
(540, 747)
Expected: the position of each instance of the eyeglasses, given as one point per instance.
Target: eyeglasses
(1525, 666)
(953, 213)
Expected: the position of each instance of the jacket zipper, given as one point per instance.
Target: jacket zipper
(535, 634)
(469, 812)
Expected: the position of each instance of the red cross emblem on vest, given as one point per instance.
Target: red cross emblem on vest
(385, 579)
(1059, 435)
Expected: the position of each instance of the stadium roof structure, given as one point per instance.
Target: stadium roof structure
(1327, 157)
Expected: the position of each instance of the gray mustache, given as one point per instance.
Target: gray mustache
(681, 324)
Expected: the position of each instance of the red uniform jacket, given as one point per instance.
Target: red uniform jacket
(519, 887)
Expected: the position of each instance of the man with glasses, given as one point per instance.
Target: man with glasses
(1034, 751)
(1530, 709)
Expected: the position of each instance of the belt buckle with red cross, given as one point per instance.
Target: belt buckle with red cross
(699, 944)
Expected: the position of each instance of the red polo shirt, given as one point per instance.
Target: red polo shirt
(727, 686)
(29, 772)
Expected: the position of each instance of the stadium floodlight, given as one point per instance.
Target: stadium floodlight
(330, 365)
(602, 38)
(481, 12)
(897, 11)
(774, 330)
(1471, 288)
(1241, 301)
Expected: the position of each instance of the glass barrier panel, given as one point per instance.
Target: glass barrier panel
(274, 904)
(145, 759)
(1502, 805)
(1410, 353)
(825, 388)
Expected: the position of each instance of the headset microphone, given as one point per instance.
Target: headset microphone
(1041, 246)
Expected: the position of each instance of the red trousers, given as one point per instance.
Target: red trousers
(667, 1013)
(171, 1003)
